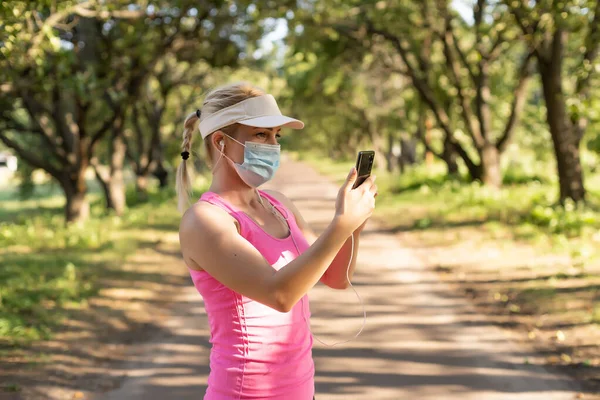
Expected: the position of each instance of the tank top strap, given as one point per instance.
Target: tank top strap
(290, 218)
(287, 214)
(216, 200)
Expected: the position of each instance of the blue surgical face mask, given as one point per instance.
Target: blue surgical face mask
(260, 162)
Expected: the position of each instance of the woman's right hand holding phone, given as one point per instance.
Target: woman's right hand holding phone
(354, 206)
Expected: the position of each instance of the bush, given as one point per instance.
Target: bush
(569, 219)
(530, 199)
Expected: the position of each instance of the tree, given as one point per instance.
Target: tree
(73, 68)
(44, 103)
(144, 139)
(565, 70)
(468, 71)
(350, 96)
(471, 75)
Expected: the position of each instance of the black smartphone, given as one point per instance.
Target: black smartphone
(364, 164)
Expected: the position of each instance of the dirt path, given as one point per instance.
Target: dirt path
(421, 341)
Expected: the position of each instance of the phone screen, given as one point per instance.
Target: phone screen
(364, 164)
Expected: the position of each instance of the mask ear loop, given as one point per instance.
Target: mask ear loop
(217, 163)
(221, 153)
(283, 218)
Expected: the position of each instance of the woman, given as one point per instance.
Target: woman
(248, 250)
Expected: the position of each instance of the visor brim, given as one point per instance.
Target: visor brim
(272, 121)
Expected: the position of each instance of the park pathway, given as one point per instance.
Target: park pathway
(421, 340)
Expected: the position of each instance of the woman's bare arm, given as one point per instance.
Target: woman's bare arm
(337, 274)
(209, 239)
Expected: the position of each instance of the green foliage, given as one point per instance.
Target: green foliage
(369, 74)
(34, 289)
(594, 144)
(26, 185)
(425, 180)
(359, 89)
(517, 176)
(156, 196)
(526, 203)
(569, 219)
(71, 72)
(49, 268)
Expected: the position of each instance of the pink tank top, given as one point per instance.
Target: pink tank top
(257, 352)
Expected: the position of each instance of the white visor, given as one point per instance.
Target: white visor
(261, 112)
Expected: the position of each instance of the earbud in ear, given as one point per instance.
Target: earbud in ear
(222, 143)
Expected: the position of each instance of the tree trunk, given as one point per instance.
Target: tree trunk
(449, 157)
(114, 193)
(159, 171)
(161, 174)
(116, 183)
(77, 207)
(112, 182)
(565, 139)
(449, 151)
(408, 153)
(141, 187)
(428, 154)
(490, 166)
(103, 181)
(351, 143)
(392, 153)
(377, 142)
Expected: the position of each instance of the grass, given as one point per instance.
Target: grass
(49, 268)
(527, 206)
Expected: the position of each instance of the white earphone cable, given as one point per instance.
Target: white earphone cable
(285, 220)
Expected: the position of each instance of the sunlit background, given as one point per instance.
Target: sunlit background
(484, 117)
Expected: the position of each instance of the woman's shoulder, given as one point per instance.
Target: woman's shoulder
(203, 216)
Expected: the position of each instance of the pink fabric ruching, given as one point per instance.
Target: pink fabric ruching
(257, 352)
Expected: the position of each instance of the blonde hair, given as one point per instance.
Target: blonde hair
(216, 100)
